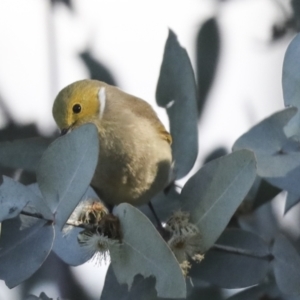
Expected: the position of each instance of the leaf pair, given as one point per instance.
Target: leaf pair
(64, 173)
(277, 155)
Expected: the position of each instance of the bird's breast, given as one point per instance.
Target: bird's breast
(134, 164)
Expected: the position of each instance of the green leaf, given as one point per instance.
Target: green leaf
(28, 158)
(66, 169)
(177, 92)
(214, 193)
(23, 249)
(145, 252)
(286, 266)
(242, 251)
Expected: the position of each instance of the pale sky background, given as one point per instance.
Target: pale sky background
(128, 37)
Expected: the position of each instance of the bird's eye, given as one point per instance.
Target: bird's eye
(77, 108)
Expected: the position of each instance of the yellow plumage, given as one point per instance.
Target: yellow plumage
(135, 154)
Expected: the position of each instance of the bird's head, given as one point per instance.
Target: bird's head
(79, 103)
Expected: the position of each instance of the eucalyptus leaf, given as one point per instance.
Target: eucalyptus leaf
(67, 248)
(23, 249)
(262, 220)
(164, 204)
(141, 288)
(290, 73)
(291, 82)
(28, 158)
(207, 293)
(208, 51)
(267, 140)
(66, 169)
(37, 203)
(13, 197)
(177, 92)
(144, 252)
(96, 69)
(66, 244)
(42, 296)
(289, 182)
(262, 291)
(286, 266)
(214, 193)
(291, 201)
(235, 251)
(112, 289)
(265, 193)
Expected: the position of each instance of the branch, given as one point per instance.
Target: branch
(35, 215)
(69, 222)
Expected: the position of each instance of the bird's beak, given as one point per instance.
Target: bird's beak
(64, 131)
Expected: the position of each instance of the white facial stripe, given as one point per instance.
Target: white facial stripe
(102, 101)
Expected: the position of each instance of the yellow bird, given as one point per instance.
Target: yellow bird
(135, 154)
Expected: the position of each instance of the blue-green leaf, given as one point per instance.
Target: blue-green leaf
(291, 82)
(291, 201)
(286, 266)
(112, 288)
(67, 248)
(23, 249)
(177, 92)
(66, 169)
(242, 251)
(13, 197)
(290, 73)
(28, 158)
(144, 252)
(267, 140)
(208, 52)
(164, 204)
(214, 193)
(42, 296)
(66, 244)
(38, 204)
(141, 288)
(262, 291)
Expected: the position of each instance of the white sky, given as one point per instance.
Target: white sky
(128, 37)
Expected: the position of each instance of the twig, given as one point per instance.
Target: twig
(69, 222)
(35, 215)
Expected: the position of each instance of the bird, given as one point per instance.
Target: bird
(135, 158)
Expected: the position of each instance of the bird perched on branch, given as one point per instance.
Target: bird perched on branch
(135, 154)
